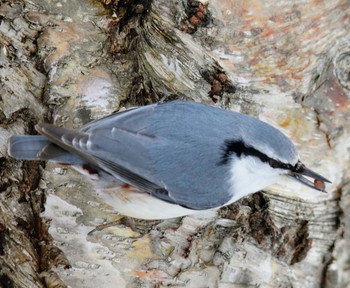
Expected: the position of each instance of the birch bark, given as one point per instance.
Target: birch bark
(70, 62)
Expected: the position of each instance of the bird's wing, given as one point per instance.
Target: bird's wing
(102, 150)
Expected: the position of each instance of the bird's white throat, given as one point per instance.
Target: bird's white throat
(248, 175)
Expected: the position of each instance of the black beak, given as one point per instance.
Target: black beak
(300, 170)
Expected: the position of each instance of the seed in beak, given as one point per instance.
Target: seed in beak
(319, 184)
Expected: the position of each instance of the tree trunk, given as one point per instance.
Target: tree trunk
(286, 63)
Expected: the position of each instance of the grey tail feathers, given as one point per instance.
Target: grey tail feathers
(37, 147)
(26, 147)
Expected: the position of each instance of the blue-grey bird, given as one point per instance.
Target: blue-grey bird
(177, 157)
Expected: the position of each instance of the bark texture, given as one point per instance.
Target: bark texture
(286, 63)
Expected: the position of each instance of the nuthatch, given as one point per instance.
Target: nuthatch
(177, 157)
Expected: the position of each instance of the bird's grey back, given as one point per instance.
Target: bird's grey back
(180, 119)
(185, 119)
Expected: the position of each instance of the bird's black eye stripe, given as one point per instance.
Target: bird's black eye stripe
(239, 148)
(274, 163)
(278, 164)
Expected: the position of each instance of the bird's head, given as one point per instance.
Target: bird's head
(259, 164)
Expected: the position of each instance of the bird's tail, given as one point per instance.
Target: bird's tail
(37, 147)
(26, 147)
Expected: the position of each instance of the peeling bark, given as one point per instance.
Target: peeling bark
(285, 63)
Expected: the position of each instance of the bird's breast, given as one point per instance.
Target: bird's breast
(132, 202)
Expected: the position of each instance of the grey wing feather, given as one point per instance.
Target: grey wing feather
(53, 152)
(133, 119)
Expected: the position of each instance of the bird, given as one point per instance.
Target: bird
(171, 159)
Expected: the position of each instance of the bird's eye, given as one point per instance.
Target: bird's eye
(274, 163)
(299, 167)
(278, 164)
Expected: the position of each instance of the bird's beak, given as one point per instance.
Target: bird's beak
(301, 170)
